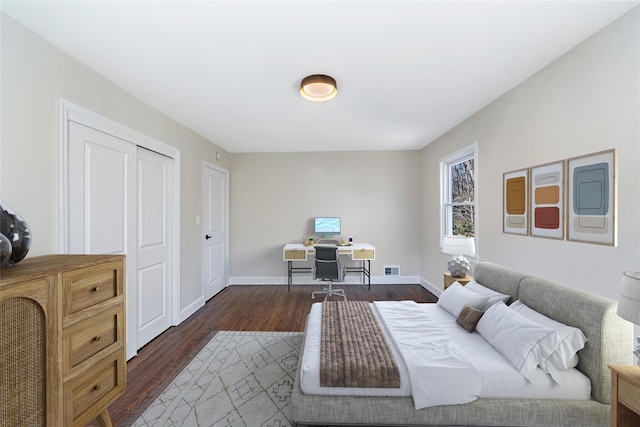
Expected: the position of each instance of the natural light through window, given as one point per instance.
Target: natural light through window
(458, 184)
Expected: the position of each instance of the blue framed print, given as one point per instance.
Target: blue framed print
(592, 198)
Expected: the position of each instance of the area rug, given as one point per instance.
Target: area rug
(237, 379)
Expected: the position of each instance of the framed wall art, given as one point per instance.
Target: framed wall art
(592, 198)
(547, 192)
(515, 213)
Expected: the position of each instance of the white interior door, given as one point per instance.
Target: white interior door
(154, 178)
(102, 204)
(215, 199)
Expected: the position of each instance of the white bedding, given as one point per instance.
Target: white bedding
(494, 375)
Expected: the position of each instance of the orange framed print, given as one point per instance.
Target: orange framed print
(515, 212)
(547, 191)
(592, 198)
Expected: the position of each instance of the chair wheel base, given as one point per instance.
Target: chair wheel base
(330, 292)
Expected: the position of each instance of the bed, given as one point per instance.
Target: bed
(584, 402)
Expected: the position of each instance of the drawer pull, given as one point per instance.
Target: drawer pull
(96, 289)
(96, 338)
(96, 387)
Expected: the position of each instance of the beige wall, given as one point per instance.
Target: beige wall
(586, 101)
(34, 74)
(274, 198)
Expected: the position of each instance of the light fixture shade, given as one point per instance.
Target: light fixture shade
(629, 301)
(459, 245)
(318, 88)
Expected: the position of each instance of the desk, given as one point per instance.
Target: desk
(358, 252)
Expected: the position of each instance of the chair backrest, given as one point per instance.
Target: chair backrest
(327, 262)
(327, 241)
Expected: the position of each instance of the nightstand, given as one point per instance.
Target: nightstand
(449, 280)
(625, 396)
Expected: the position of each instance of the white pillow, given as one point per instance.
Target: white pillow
(494, 296)
(571, 340)
(456, 296)
(523, 342)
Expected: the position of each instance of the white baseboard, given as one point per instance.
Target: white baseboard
(430, 287)
(394, 280)
(307, 280)
(257, 280)
(191, 308)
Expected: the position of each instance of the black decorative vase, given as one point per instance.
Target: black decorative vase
(16, 230)
(5, 250)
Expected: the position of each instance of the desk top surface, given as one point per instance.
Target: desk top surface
(352, 247)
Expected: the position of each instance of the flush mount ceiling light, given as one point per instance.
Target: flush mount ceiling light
(318, 88)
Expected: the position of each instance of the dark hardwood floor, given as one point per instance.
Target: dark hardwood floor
(236, 308)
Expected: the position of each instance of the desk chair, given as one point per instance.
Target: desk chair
(327, 268)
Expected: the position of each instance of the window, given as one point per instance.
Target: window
(459, 193)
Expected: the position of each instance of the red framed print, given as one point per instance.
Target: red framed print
(547, 192)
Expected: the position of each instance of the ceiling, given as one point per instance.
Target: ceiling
(407, 72)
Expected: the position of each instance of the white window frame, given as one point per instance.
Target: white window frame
(468, 152)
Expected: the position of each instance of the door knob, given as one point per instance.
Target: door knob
(207, 237)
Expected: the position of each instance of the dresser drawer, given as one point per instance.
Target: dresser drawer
(364, 254)
(88, 337)
(628, 394)
(91, 286)
(93, 390)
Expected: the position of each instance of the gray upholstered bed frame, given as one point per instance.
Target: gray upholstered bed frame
(610, 342)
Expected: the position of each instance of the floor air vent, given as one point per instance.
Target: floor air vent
(393, 270)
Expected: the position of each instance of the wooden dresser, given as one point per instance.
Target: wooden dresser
(62, 350)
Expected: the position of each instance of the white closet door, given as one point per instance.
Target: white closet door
(102, 204)
(102, 192)
(154, 249)
(215, 226)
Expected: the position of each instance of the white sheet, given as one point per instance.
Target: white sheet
(432, 358)
(498, 378)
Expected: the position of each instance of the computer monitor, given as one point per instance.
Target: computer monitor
(326, 225)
